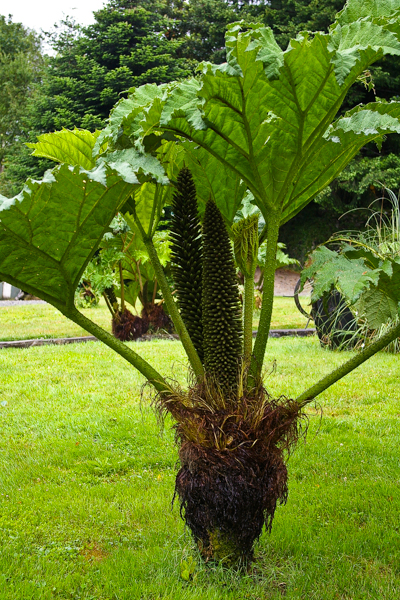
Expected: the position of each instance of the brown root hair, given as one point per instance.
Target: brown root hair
(232, 453)
(126, 326)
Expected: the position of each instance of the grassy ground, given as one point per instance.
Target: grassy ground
(43, 321)
(87, 479)
(284, 315)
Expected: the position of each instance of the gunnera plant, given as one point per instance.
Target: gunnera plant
(232, 440)
(125, 326)
(345, 315)
(267, 122)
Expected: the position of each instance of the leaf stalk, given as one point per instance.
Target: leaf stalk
(170, 303)
(248, 306)
(346, 368)
(267, 300)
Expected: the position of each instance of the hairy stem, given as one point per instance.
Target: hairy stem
(139, 276)
(173, 310)
(267, 299)
(112, 298)
(248, 305)
(121, 279)
(323, 384)
(110, 308)
(154, 292)
(120, 348)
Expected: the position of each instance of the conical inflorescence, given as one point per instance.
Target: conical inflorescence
(222, 326)
(186, 257)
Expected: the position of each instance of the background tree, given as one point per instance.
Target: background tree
(287, 17)
(21, 65)
(201, 24)
(128, 45)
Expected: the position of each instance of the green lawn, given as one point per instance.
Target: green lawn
(43, 321)
(86, 481)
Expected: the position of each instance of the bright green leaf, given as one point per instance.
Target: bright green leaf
(127, 113)
(70, 147)
(272, 131)
(328, 269)
(359, 43)
(333, 151)
(133, 165)
(49, 232)
(146, 207)
(359, 9)
(374, 292)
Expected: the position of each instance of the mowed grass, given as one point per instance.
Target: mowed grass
(285, 315)
(87, 479)
(44, 321)
(24, 321)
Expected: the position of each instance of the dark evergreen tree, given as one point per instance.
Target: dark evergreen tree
(127, 46)
(288, 17)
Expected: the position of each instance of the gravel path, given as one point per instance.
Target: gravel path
(285, 282)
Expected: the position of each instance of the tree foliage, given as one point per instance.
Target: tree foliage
(127, 46)
(21, 65)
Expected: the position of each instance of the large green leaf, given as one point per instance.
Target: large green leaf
(371, 285)
(214, 180)
(71, 147)
(266, 115)
(333, 151)
(131, 164)
(150, 199)
(377, 306)
(146, 207)
(49, 232)
(359, 43)
(327, 268)
(134, 119)
(375, 9)
(382, 303)
(126, 115)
